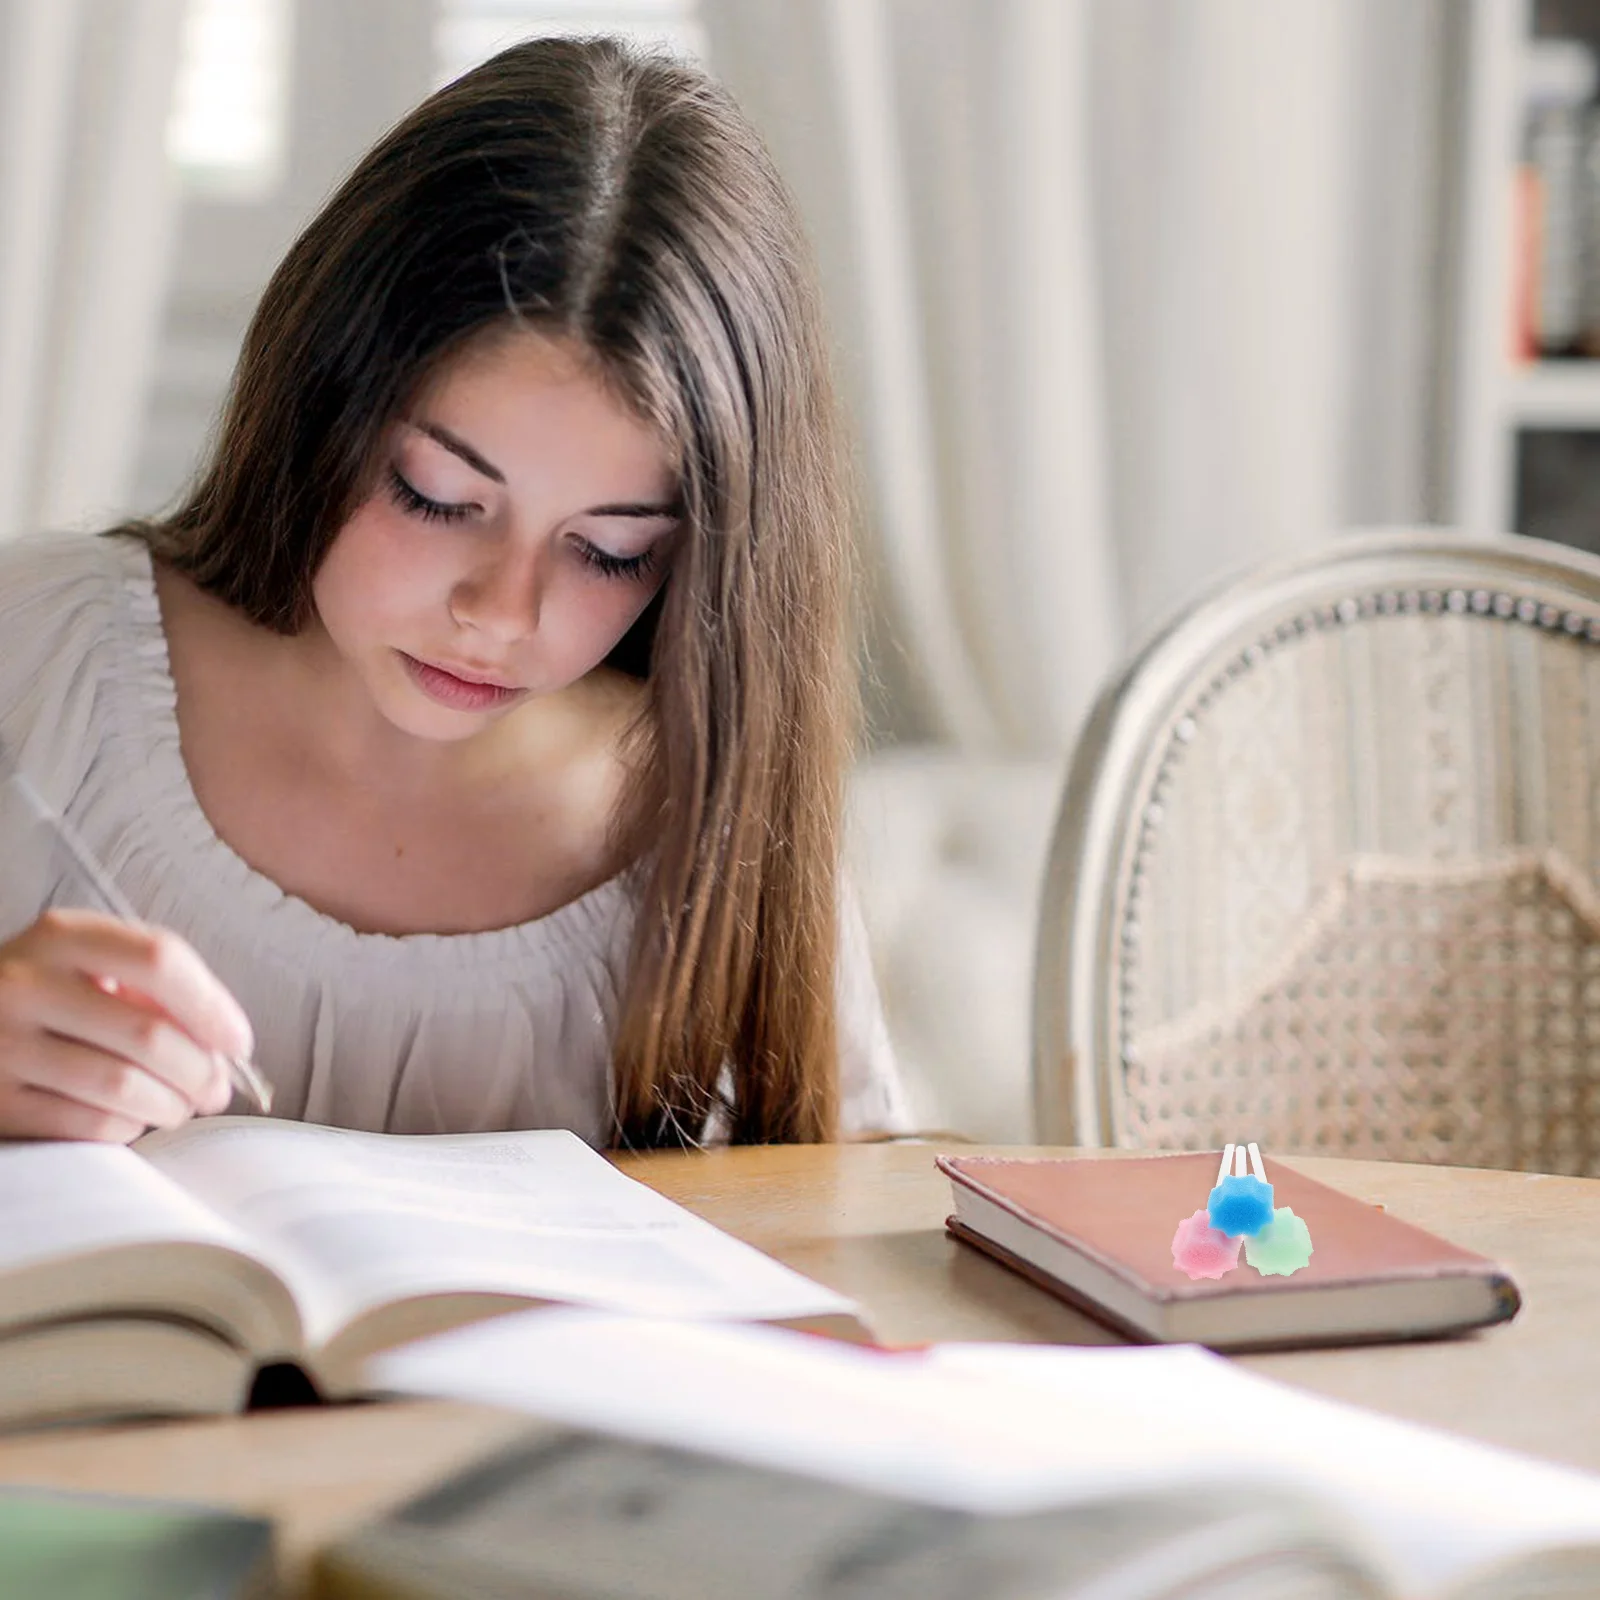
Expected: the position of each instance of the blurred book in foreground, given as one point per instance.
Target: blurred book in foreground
(60, 1546)
(991, 1431)
(579, 1516)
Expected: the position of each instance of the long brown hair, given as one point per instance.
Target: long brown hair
(620, 199)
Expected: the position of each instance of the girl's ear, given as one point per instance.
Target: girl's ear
(631, 653)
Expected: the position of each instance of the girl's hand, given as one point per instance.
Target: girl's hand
(107, 1028)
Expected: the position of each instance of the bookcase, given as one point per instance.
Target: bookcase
(1527, 431)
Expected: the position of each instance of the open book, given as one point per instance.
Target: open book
(1356, 1503)
(159, 1278)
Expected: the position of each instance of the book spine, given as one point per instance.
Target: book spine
(1556, 149)
(1589, 338)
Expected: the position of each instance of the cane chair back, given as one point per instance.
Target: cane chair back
(1324, 874)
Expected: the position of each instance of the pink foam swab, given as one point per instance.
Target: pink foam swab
(1200, 1250)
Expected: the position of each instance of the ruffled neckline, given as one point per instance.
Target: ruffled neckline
(171, 820)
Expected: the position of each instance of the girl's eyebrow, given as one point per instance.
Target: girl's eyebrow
(640, 509)
(459, 446)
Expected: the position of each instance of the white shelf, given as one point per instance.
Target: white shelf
(1553, 394)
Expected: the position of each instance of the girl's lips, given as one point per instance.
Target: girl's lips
(461, 694)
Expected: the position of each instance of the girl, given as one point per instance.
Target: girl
(481, 714)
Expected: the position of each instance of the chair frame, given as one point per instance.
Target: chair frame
(1088, 910)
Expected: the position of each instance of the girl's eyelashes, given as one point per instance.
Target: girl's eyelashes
(418, 504)
(610, 566)
(411, 500)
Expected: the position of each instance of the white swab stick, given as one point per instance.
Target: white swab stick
(1239, 1169)
(1227, 1164)
(1255, 1162)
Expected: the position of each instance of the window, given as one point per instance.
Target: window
(227, 132)
(470, 31)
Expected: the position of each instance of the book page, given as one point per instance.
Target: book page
(886, 1421)
(90, 1230)
(1438, 1508)
(901, 1422)
(359, 1220)
(71, 1197)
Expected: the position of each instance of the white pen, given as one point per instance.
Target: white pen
(244, 1074)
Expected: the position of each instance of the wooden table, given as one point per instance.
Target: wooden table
(868, 1220)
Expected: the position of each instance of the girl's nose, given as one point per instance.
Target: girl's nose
(500, 599)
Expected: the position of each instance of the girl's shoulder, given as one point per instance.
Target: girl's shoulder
(46, 580)
(68, 604)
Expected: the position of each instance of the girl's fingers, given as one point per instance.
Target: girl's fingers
(107, 1028)
(216, 1094)
(219, 1095)
(120, 1089)
(62, 1008)
(153, 961)
(31, 1113)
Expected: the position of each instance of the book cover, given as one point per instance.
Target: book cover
(588, 1517)
(73, 1546)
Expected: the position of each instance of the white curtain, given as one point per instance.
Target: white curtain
(1129, 294)
(1125, 301)
(86, 214)
(938, 150)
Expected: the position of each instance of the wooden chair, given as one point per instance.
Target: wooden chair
(1324, 874)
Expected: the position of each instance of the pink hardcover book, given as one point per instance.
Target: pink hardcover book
(1098, 1234)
